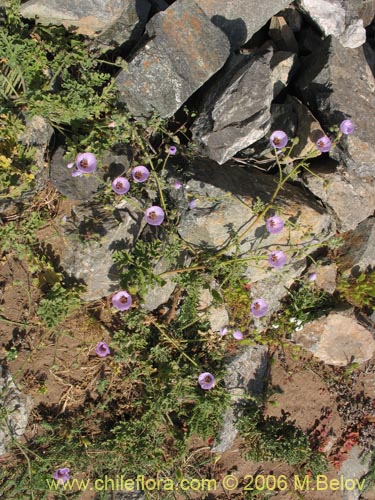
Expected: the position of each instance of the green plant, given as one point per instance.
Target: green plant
(58, 303)
(358, 291)
(271, 438)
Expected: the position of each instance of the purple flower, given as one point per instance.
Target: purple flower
(62, 475)
(259, 308)
(238, 335)
(154, 215)
(277, 259)
(177, 185)
(324, 144)
(102, 350)
(121, 185)
(122, 300)
(347, 127)
(192, 204)
(85, 163)
(140, 173)
(206, 380)
(223, 331)
(278, 139)
(172, 150)
(312, 277)
(274, 224)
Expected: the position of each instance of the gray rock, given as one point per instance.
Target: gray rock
(245, 376)
(330, 16)
(37, 135)
(225, 195)
(351, 198)
(337, 339)
(76, 188)
(237, 19)
(217, 315)
(157, 78)
(92, 235)
(360, 9)
(356, 466)
(16, 409)
(338, 83)
(326, 277)
(357, 254)
(236, 113)
(114, 21)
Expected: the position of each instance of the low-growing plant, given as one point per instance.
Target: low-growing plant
(358, 291)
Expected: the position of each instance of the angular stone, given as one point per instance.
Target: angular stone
(186, 49)
(122, 20)
(337, 339)
(351, 198)
(241, 19)
(338, 83)
(283, 35)
(244, 376)
(217, 315)
(15, 407)
(225, 195)
(362, 9)
(326, 277)
(236, 112)
(357, 254)
(331, 17)
(355, 467)
(92, 235)
(37, 135)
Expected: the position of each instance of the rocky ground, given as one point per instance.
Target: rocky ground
(193, 90)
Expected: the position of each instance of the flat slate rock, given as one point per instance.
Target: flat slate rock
(185, 50)
(337, 339)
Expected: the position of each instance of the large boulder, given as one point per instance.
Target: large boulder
(184, 51)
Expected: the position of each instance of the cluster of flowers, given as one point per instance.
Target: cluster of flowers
(86, 164)
(279, 139)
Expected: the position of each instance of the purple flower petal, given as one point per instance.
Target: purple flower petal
(278, 139)
(122, 300)
(120, 185)
(86, 163)
(259, 308)
(206, 380)
(102, 350)
(223, 331)
(277, 259)
(324, 144)
(192, 204)
(312, 277)
(274, 224)
(347, 127)
(77, 173)
(172, 150)
(62, 475)
(154, 215)
(70, 165)
(140, 173)
(238, 335)
(177, 185)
